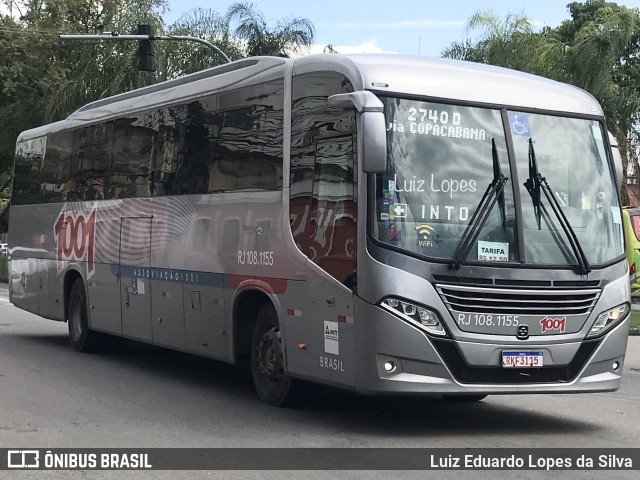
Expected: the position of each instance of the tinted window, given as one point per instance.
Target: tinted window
(571, 155)
(89, 162)
(323, 207)
(27, 186)
(128, 156)
(184, 145)
(248, 148)
(226, 142)
(440, 160)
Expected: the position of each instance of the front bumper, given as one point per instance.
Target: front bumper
(438, 366)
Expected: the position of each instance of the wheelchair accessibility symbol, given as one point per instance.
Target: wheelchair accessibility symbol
(519, 124)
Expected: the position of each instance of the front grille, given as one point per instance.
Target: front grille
(464, 373)
(518, 302)
(514, 282)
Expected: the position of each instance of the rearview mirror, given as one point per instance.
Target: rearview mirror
(617, 159)
(372, 131)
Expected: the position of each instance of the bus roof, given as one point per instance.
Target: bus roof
(456, 80)
(436, 78)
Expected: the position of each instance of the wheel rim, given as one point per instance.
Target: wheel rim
(76, 318)
(269, 358)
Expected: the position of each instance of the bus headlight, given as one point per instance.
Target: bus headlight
(608, 319)
(426, 318)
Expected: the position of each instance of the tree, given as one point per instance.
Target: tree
(289, 36)
(44, 80)
(93, 70)
(602, 57)
(181, 58)
(598, 50)
(24, 81)
(509, 42)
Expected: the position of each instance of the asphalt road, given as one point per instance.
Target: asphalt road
(150, 397)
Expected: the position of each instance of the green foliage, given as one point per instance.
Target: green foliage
(43, 79)
(288, 36)
(23, 83)
(181, 58)
(598, 50)
(87, 71)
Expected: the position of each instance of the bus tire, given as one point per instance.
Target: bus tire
(81, 338)
(271, 382)
(464, 398)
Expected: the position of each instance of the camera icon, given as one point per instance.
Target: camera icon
(23, 459)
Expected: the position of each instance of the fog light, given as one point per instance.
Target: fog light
(389, 367)
(615, 366)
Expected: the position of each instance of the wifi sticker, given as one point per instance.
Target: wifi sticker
(424, 235)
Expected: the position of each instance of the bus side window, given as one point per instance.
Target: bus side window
(89, 163)
(55, 180)
(164, 159)
(195, 148)
(129, 157)
(247, 154)
(318, 131)
(333, 230)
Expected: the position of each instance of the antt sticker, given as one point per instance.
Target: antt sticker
(331, 339)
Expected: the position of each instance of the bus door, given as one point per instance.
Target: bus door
(332, 246)
(135, 276)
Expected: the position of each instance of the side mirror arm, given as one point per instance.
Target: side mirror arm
(617, 160)
(372, 132)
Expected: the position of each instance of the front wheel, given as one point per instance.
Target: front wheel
(272, 384)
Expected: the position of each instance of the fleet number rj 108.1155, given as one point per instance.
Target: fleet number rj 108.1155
(489, 320)
(252, 257)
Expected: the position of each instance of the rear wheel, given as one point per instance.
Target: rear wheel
(272, 384)
(81, 338)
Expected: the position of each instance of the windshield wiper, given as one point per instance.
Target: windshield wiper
(534, 184)
(497, 173)
(493, 194)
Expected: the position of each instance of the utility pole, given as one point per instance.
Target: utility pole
(145, 38)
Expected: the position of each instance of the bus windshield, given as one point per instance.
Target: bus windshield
(443, 158)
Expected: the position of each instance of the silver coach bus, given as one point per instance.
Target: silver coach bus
(379, 223)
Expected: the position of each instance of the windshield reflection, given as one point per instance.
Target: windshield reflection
(570, 153)
(441, 162)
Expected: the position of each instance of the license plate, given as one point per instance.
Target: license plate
(522, 359)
